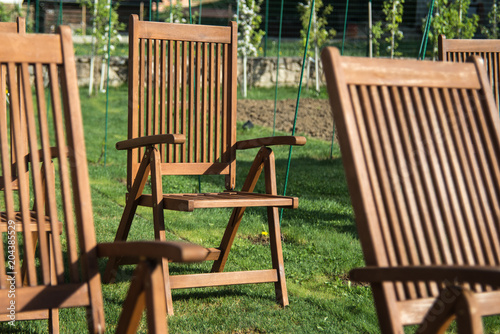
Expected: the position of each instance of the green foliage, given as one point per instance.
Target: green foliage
(318, 34)
(451, 20)
(249, 20)
(393, 11)
(175, 13)
(493, 31)
(101, 20)
(9, 13)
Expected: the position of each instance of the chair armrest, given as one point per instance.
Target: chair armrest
(488, 275)
(173, 251)
(150, 140)
(269, 141)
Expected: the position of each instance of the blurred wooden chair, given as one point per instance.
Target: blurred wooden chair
(182, 121)
(458, 50)
(46, 156)
(420, 143)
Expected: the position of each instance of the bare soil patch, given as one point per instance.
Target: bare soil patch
(314, 116)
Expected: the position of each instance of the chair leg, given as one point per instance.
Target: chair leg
(135, 302)
(237, 215)
(53, 313)
(467, 316)
(453, 302)
(275, 232)
(155, 304)
(128, 213)
(159, 223)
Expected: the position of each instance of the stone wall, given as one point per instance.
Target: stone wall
(261, 71)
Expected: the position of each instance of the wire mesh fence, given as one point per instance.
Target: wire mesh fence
(350, 19)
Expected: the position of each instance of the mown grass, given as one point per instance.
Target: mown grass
(320, 242)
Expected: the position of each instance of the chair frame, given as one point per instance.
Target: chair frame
(458, 50)
(425, 285)
(169, 150)
(42, 286)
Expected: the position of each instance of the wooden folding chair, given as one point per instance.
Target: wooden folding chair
(420, 143)
(458, 50)
(182, 121)
(49, 255)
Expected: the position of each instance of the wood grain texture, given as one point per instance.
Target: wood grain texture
(419, 142)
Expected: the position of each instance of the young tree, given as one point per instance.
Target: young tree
(451, 19)
(393, 11)
(249, 34)
(318, 34)
(101, 31)
(493, 31)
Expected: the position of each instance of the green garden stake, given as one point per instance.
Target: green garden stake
(425, 37)
(150, 5)
(297, 104)
(190, 14)
(28, 13)
(157, 12)
(59, 15)
(107, 85)
(277, 68)
(266, 28)
(345, 26)
(199, 14)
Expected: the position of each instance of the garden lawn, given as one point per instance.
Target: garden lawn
(320, 243)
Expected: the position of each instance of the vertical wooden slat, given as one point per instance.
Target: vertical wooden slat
(197, 113)
(134, 93)
(233, 77)
(37, 177)
(191, 138)
(156, 62)
(204, 86)
(142, 79)
(178, 97)
(225, 102)
(149, 88)
(63, 171)
(211, 104)
(163, 92)
(79, 175)
(19, 149)
(217, 102)
(171, 96)
(5, 160)
(184, 105)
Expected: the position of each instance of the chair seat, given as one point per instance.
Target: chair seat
(4, 226)
(229, 199)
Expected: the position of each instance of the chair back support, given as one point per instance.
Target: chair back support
(420, 146)
(458, 50)
(49, 252)
(182, 80)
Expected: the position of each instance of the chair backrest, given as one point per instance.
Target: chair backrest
(57, 266)
(458, 50)
(420, 146)
(182, 80)
(19, 26)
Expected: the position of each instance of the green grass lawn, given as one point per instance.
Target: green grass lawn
(320, 242)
